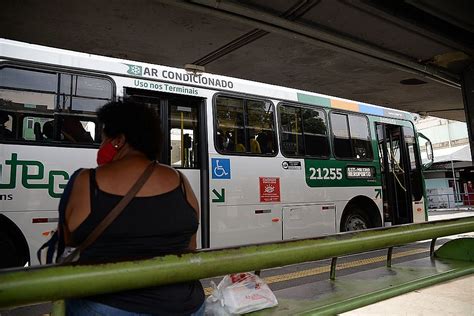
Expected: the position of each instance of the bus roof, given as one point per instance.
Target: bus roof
(120, 67)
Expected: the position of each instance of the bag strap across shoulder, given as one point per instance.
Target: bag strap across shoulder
(113, 214)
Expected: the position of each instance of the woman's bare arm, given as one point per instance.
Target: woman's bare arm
(192, 200)
(78, 206)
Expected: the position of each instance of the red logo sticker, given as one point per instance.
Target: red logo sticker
(269, 189)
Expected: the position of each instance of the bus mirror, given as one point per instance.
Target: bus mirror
(429, 151)
(426, 147)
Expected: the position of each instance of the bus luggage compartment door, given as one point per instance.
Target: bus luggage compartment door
(308, 220)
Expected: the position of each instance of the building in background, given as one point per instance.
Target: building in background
(449, 180)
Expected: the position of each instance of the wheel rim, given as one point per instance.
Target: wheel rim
(355, 222)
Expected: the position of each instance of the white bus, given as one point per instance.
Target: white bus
(267, 163)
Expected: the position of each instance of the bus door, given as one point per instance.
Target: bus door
(395, 172)
(182, 122)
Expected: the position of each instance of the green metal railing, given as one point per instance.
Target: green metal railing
(50, 283)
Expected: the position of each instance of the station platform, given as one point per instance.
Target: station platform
(442, 285)
(455, 297)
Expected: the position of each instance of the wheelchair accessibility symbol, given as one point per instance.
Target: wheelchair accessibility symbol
(220, 168)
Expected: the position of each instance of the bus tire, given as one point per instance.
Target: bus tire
(13, 248)
(355, 219)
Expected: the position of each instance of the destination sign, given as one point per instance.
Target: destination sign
(360, 172)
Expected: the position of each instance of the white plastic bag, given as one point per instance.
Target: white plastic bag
(238, 294)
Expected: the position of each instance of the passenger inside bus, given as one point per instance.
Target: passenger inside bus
(255, 146)
(37, 132)
(240, 147)
(220, 140)
(229, 144)
(48, 131)
(5, 133)
(73, 131)
(266, 143)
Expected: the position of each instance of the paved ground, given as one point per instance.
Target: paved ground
(454, 297)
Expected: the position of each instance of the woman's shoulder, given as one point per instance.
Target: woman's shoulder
(164, 167)
(81, 179)
(167, 171)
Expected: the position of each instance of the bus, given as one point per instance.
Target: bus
(267, 163)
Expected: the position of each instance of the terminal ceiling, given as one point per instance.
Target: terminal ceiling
(405, 54)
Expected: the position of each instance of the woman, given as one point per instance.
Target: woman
(161, 219)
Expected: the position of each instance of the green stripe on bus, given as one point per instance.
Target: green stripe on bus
(311, 99)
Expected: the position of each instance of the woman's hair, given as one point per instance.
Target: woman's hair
(138, 122)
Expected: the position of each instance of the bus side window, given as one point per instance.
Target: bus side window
(184, 133)
(26, 91)
(260, 128)
(360, 137)
(351, 137)
(83, 94)
(414, 162)
(340, 130)
(44, 111)
(315, 133)
(245, 126)
(291, 133)
(303, 132)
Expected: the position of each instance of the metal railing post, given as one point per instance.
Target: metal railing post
(332, 275)
(432, 247)
(389, 257)
(59, 308)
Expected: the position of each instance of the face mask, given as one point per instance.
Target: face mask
(106, 153)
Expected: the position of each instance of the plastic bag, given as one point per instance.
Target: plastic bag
(238, 294)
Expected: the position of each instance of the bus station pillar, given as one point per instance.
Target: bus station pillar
(467, 86)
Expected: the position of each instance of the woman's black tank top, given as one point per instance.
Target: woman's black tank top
(147, 227)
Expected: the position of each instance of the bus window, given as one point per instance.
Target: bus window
(28, 80)
(260, 120)
(47, 114)
(26, 101)
(315, 133)
(68, 129)
(245, 126)
(303, 132)
(27, 90)
(83, 94)
(360, 137)
(230, 124)
(340, 131)
(351, 137)
(184, 134)
(291, 133)
(414, 162)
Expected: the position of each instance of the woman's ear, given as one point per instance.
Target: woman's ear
(119, 141)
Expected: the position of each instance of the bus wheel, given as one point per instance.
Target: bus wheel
(355, 219)
(12, 250)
